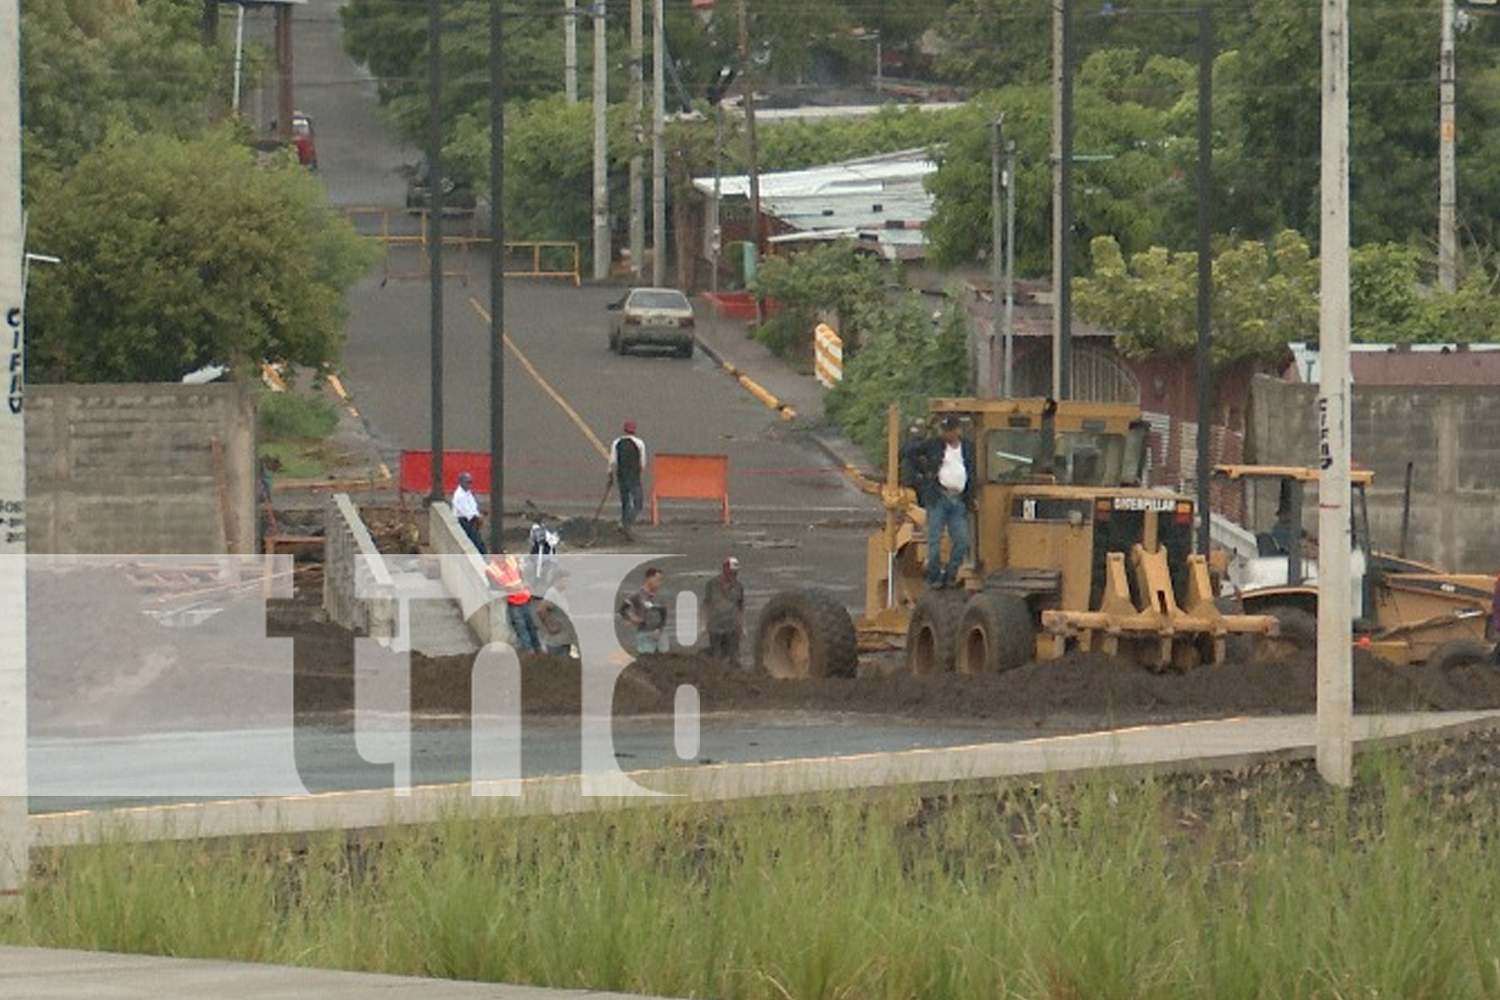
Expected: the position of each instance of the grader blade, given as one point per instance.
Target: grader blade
(1157, 631)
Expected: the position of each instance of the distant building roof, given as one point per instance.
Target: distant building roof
(882, 200)
(1406, 364)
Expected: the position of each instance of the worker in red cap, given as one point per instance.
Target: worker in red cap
(723, 608)
(627, 470)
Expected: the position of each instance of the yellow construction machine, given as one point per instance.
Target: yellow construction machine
(1404, 611)
(1069, 551)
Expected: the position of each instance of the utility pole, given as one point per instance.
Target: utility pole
(435, 235)
(497, 277)
(1008, 320)
(14, 824)
(1335, 746)
(603, 248)
(752, 151)
(1447, 154)
(1062, 201)
(570, 50)
(658, 145)
(637, 99)
(1204, 377)
(991, 386)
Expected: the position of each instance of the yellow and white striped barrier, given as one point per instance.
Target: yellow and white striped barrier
(828, 355)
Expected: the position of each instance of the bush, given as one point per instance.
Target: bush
(905, 356)
(296, 416)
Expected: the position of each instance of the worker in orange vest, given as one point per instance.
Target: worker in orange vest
(504, 574)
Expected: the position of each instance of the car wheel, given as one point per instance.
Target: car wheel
(686, 350)
(614, 344)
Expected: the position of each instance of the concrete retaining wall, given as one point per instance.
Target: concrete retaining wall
(358, 592)
(160, 469)
(463, 576)
(1449, 434)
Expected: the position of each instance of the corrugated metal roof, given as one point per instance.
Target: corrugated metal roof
(881, 199)
(1406, 364)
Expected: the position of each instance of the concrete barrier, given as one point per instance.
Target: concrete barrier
(358, 592)
(462, 570)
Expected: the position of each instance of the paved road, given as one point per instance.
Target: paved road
(565, 396)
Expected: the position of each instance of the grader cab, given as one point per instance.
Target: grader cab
(1069, 551)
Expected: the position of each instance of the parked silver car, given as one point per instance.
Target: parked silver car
(652, 317)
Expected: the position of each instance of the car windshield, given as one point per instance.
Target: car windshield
(657, 298)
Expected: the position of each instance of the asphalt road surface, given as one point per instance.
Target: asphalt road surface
(564, 396)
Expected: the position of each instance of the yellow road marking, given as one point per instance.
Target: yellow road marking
(546, 386)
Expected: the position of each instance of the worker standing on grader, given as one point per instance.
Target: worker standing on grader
(942, 471)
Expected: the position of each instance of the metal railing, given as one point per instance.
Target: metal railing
(400, 229)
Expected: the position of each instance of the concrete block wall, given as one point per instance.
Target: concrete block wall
(358, 592)
(1450, 435)
(463, 576)
(159, 469)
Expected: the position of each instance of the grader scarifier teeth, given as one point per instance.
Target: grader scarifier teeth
(1161, 634)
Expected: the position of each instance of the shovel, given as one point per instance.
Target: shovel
(594, 521)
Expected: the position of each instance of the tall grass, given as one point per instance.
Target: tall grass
(1185, 888)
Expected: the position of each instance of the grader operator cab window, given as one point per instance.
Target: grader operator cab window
(1079, 458)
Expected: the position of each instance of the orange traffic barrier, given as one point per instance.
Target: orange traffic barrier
(416, 470)
(690, 477)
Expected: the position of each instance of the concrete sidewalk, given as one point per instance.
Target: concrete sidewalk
(796, 395)
(54, 974)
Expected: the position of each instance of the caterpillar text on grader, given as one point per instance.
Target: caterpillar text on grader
(1069, 551)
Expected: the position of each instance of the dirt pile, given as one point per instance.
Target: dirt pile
(1088, 687)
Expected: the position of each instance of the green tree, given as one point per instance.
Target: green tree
(1265, 295)
(177, 254)
(1128, 182)
(92, 68)
(1271, 121)
(904, 357)
(831, 279)
(1391, 300)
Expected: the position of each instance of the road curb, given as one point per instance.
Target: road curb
(753, 387)
(836, 456)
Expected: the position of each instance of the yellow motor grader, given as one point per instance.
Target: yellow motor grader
(1069, 551)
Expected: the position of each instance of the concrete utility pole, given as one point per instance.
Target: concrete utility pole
(14, 825)
(752, 150)
(637, 99)
(603, 249)
(990, 386)
(1062, 202)
(1335, 747)
(570, 50)
(1447, 154)
(658, 145)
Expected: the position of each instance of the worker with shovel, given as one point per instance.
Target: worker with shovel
(627, 468)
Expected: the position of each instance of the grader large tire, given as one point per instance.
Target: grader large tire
(932, 634)
(806, 633)
(995, 633)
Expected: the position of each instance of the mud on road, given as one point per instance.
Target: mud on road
(1077, 688)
